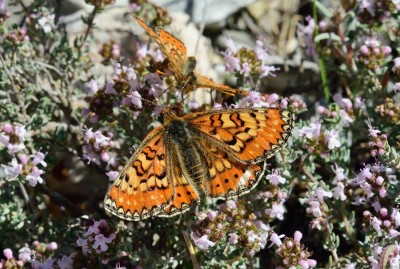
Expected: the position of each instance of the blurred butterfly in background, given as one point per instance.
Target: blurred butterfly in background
(183, 66)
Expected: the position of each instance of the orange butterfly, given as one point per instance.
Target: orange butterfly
(218, 152)
(182, 65)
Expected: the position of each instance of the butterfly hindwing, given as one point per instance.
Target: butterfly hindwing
(227, 176)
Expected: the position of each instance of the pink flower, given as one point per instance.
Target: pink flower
(311, 132)
(14, 169)
(24, 254)
(376, 224)
(39, 159)
(47, 264)
(275, 178)
(245, 70)
(8, 253)
(267, 70)
(321, 193)
(372, 131)
(332, 138)
(112, 175)
(297, 236)
(230, 45)
(93, 87)
(276, 239)
(203, 242)
(338, 192)
(83, 243)
(34, 176)
(101, 241)
(135, 99)
(65, 262)
(276, 211)
(233, 238)
(260, 52)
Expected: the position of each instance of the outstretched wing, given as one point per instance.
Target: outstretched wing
(143, 188)
(247, 135)
(172, 47)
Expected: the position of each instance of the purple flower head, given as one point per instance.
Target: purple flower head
(112, 175)
(276, 239)
(8, 253)
(311, 132)
(231, 204)
(245, 70)
(38, 158)
(135, 99)
(321, 193)
(275, 178)
(230, 45)
(66, 262)
(14, 169)
(93, 87)
(101, 241)
(52, 246)
(267, 70)
(276, 211)
(372, 131)
(233, 238)
(24, 254)
(34, 176)
(203, 242)
(260, 52)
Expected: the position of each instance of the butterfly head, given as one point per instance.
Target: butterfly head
(172, 112)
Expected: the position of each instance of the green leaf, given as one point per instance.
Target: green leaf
(327, 36)
(324, 9)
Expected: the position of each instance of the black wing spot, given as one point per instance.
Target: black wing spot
(226, 180)
(126, 177)
(232, 141)
(188, 193)
(162, 175)
(218, 186)
(236, 175)
(179, 195)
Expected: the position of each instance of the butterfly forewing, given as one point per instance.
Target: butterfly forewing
(248, 135)
(143, 188)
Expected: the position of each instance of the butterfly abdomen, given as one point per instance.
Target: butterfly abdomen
(189, 157)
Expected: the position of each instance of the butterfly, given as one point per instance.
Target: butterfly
(181, 65)
(219, 153)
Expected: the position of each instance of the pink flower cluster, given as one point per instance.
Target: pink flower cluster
(373, 180)
(319, 140)
(39, 256)
(373, 54)
(97, 239)
(275, 196)
(232, 223)
(21, 165)
(98, 148)
(291, 253)
(247, 62)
